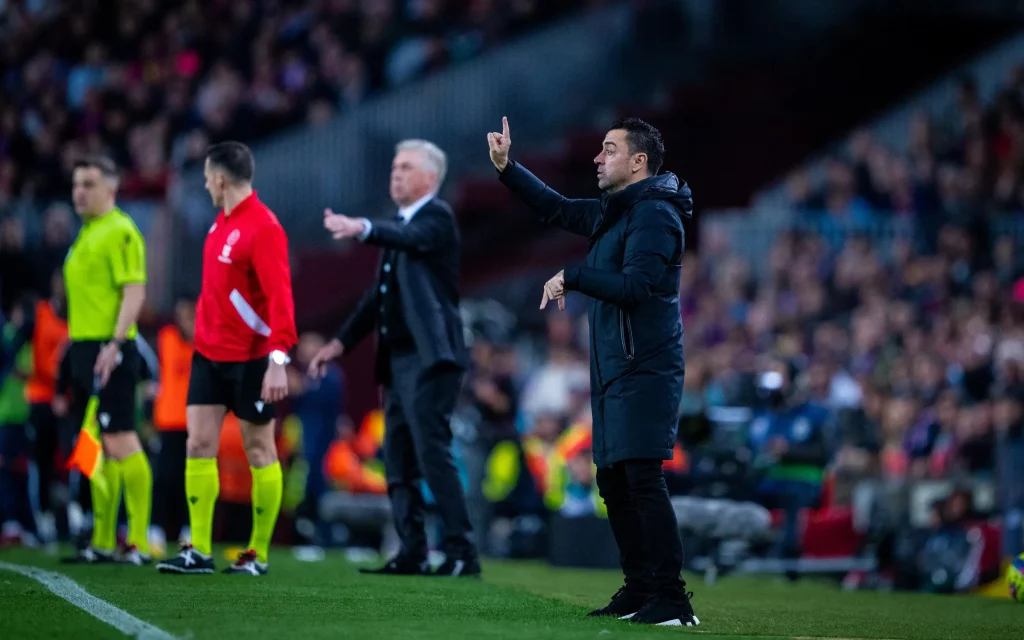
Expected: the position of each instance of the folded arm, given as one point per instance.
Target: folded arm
(575, 216)
(654, 238)
(813, 451)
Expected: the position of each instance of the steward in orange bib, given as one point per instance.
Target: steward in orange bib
(174, 349)
(49, 332)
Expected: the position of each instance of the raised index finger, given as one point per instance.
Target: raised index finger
(504, 128)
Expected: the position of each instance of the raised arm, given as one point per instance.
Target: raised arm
(654, 236)
(575, 216)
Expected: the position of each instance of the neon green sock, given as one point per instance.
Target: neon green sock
(267, 487)
(202, 485)
(138, 498)
(105, 507)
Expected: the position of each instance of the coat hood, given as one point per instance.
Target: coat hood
(664, 186)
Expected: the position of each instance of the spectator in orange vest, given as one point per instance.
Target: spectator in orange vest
(49, 331)
(351, 462)
(174, 349)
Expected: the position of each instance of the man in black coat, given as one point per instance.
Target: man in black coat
(421, 355)
(636, 349)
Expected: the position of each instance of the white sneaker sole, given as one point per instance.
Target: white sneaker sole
(170, 568)
(628, 616)
(679, 623)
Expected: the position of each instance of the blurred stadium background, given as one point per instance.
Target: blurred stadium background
(857, 169)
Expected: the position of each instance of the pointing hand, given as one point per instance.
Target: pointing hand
(499, 144)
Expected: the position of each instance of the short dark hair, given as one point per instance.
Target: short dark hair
(233, 158)
(643, 137)
(106, 166)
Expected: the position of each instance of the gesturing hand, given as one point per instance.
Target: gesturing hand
(342, 226)
(554, 289)
(499, 144)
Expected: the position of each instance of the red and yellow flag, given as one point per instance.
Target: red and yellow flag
(87, 456)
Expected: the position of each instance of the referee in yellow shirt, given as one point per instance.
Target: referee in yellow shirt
(105, 278)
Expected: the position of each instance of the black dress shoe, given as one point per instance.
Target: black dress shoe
(458, 568)
(399, 566)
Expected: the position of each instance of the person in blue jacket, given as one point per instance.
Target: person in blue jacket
(789, 439)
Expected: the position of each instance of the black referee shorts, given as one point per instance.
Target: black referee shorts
(235, 385)
(117, 412)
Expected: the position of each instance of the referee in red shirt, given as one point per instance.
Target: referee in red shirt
(245, 326)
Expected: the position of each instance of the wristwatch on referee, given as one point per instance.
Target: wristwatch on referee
(279, 357)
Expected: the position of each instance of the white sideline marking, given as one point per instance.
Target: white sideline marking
(68, 589)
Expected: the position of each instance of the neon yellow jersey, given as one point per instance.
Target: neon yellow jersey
(108, 254)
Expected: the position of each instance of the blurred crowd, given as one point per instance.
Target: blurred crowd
(963, 162)
(151, 83)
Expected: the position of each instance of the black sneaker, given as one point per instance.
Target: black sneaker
(624, 604)
(188, 561)
(248, 564)
(130, 554)
(667, 612)
(90, 555)
(458, 568)
(400, 566)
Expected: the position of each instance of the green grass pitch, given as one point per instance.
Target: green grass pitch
(522, 601)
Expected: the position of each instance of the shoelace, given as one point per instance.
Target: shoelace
(246, 557)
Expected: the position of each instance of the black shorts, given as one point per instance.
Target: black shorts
(117, 412)
(235, 385)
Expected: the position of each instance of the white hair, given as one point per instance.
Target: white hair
(437, 161)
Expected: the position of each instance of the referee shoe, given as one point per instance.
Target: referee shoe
(89, 555)
(248, 564)
(188, 561)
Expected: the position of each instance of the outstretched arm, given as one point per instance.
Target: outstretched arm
(654, 236)
(426, 231)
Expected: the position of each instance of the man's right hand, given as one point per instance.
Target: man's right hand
(499, 144)
(328, 352)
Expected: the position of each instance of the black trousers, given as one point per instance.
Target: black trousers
(418, 444)
(170, 508)
(43, 432)
(644, 525)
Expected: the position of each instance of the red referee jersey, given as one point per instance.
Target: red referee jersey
(245, 308)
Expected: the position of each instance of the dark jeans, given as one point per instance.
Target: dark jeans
(14, 500)
(644, 524)
(171, 506)
(43, 427)
(316, 440)
(792, 497)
